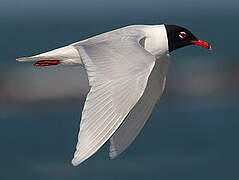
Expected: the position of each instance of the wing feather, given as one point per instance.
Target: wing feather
(118, 70)
(141, 112)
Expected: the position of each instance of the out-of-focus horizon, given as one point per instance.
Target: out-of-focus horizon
(193, 131)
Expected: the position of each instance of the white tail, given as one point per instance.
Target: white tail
(67, 55)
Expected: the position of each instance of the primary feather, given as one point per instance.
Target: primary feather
(141, 112)
(126, 70)
(118, 69)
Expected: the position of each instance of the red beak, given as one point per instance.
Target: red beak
(203, 44)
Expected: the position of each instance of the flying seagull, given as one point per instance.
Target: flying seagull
(126, 70)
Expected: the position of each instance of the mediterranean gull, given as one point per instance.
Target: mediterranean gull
(126, 70)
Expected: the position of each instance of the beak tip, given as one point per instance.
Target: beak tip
(210, 48)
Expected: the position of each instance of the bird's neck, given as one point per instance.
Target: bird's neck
(156, 41)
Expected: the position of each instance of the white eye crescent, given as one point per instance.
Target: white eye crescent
(182, 35)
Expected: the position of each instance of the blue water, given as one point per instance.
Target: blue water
(190, 137)
(184, 139)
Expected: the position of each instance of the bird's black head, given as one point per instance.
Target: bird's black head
(179, 37)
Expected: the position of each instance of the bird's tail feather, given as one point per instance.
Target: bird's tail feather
(35, 58)
(67, 55)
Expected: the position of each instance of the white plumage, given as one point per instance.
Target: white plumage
(126, 71)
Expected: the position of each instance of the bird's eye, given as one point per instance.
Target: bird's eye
(182, 35)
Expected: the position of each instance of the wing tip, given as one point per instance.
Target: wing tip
(113, 152)
(77, 161)
(74, 162)
(113, 155)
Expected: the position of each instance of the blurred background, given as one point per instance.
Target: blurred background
(193, 131)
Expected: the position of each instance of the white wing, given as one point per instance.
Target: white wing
(141, 112)
(118, 69)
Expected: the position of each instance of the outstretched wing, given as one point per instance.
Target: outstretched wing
(141, 112)
(118, 69)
